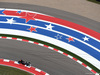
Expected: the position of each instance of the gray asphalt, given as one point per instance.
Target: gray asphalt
(94, 25)
(40, 57)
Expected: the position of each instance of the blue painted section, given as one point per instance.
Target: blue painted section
(48, 33)
(56, 28)
(19, 11)
(1, 12)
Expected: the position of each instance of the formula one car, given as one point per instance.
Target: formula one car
(24, 63)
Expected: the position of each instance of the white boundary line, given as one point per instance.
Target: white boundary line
(15, 62)
(50, 22)
(58, 52)
(59, 43)
(58, 33)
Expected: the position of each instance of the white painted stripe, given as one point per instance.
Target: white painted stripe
(38, 70)
(30, 41)
(70, 29)
(50, 47)
(27, 66)
(79, 61)
(48, 21)
(46, 74)
(9, 16)
(19, 39)
(58, 33)
(70, 56)
(60, 52)
(9, 38)
(88, 68)
(16, 62)
(59, 43)
(97, 74)
(6, 60)
(41, 44)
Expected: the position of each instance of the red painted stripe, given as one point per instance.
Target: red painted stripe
(84, 65)
(12, 64)
(1, 60)
(59, 21)
(70, 24)
(14, 38)
(75, 59)
(3, 37)
(14, 13)
(43, 72)
(55, 49)
(46, 46)
(36, 43)
(65, 54)
(25, 40)
(93, 71)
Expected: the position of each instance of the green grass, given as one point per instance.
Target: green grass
(66, 51)
(94, 1)
(5, 70)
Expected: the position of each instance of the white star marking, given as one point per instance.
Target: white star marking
(86, 38)
(58, 36)
(11, 21)
(49, 27)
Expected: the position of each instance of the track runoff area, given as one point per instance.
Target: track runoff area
(67, 35)
(28, 68)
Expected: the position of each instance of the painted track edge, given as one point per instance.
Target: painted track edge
(61, 52)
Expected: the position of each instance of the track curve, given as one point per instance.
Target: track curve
(56, 64)
(40, 57)
(94, 25)
(15, 64)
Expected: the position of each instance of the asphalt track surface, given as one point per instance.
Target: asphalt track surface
(44, 58)
(41, 57)
(94, 25)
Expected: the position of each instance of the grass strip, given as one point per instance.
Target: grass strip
(59, 48)
(5, 70)
(94, 1)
